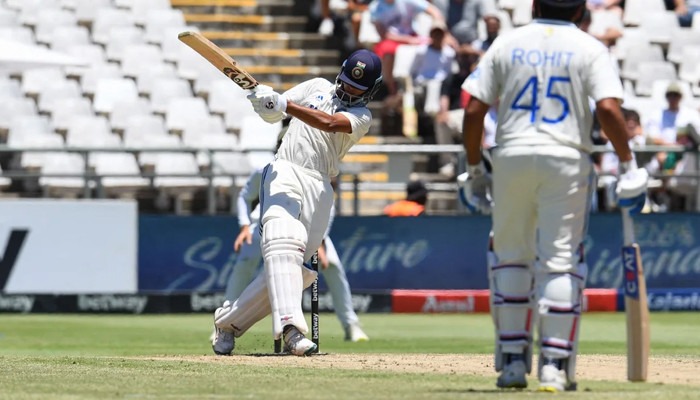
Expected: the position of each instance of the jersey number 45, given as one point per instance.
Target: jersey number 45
(531, 86)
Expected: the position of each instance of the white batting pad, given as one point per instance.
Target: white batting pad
(560, 302)
(512, 303)
(283, 246)
(252, 306)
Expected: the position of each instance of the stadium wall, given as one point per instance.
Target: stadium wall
(94, 256)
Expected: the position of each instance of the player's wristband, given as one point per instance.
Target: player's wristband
(476, 169)
(628, 166)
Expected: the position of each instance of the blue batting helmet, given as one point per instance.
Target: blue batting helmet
(362, 70)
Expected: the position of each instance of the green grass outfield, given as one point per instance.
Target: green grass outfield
(408, 357)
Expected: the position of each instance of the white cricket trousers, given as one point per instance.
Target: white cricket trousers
(542, 198)
(291, 191)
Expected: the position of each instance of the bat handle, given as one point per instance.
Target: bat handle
(255, 88)
(627, 227)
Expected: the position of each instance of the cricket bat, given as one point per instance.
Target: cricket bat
(218, 58)
(410, 115)
(636, 306)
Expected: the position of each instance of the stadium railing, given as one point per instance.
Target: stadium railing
(399, 165)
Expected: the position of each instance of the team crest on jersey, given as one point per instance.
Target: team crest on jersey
(359, 71)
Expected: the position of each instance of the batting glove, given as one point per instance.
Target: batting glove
(475, 189)
(257, 94)
(271, 103)
(632, 187)
(272, 118)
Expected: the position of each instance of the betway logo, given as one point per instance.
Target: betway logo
(108, 302)
(360, 302)
(434, 305)
(18, 303)
(206, 302)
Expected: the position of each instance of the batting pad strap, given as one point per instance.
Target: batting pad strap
(507, 338)
(556, 347)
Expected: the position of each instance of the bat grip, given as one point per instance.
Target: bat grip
(627, 227)
(255, 88)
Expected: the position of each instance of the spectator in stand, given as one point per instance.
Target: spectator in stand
(663, 127)
(333, 12)
(356, 8)
(608, 34)
(684, 190)
(448, 121)
(684, 9)
(433, 61)
(605, 5)
(394, 22)
(493, 27)
(462, 21)
(463, 16)
(431, 65)
(413, 206)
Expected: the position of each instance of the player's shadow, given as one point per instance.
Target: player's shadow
(495, 391)
(283, 354)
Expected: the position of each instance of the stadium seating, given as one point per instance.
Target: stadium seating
(145, 85)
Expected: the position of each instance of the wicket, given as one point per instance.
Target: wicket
(314, 310)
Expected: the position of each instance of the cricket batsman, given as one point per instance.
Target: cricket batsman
(544, 74)
(247, 245)
(296, 196)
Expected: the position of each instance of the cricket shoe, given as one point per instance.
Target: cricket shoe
(553, 379)
(513, 376)
(224, 341)
(296, 343)
(354, 333)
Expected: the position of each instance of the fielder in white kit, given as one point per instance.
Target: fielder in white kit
(544, 74)
(247, 245)
(296, 196)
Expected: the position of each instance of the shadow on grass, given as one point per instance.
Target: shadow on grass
(283, 354)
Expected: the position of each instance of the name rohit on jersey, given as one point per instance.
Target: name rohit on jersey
(536, 58)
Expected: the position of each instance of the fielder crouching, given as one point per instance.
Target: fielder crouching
(296, 196)
(543, 73)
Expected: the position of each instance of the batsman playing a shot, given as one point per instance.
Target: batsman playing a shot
(247, 245)
(544, 74)
(296, 196)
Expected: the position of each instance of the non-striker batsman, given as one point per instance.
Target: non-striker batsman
(296, 195)
(544, 74)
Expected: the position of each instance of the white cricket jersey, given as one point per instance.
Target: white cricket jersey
(544, 74)
(313, 148)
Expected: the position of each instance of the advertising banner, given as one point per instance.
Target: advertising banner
(68, 246)
(193, 253)
(438, 253)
